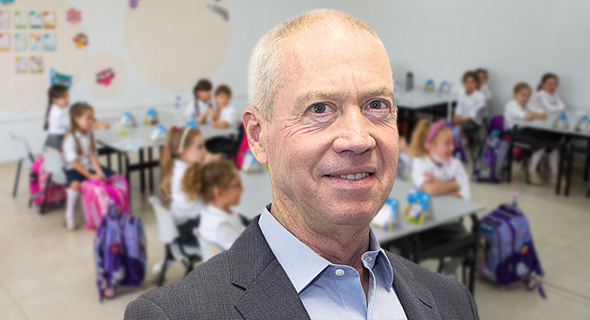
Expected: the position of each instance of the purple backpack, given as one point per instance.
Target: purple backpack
(119, 249)
(506, 253)
(490, 160)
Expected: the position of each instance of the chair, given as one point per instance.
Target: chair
(208, 248)
(169, 235)
(227, 146)
(54, 165)
(25, 157)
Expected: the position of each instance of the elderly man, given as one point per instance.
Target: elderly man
(323, 117)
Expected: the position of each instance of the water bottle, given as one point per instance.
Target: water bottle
(563, 119)
(178, 116)
(409, 81)
(177, 104)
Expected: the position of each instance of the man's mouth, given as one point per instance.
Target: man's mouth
(352, 176)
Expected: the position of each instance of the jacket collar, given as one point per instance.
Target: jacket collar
(269, 294)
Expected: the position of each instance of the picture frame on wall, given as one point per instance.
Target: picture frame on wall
(36, 19)
(49, 19)
(36, 64)
(36, 41)
(21, 19)
(4, 41)
(50, 42)
(20, 42)
(21, 65)
(4, 19)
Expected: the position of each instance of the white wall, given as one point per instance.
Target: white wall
(515, 40)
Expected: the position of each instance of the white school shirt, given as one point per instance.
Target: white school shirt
(513, 112)
(469, 105)
(220, 227)
(228, 114)
(445, 172)
(190, 113)
(70, 154)
(183, 209)
(485, 90)
(543, 101)
(59, 120)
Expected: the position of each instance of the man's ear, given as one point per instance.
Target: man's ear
(253, 130)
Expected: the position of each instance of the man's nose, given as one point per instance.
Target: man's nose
(353, 133)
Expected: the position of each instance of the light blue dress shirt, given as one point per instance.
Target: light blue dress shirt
(331, 291)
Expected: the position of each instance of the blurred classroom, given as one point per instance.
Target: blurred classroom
(116, 91)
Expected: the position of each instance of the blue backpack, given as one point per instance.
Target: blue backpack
(491, 158)
(119, 249)
(506, 253)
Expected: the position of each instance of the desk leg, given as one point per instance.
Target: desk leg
(473, 262)
(151, 170)
(141, 171)
(568, 181)
(562, 155)
(109, 159)
(587, 165)
(128, 175)
(119, 162)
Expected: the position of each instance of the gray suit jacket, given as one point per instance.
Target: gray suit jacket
(247, 282)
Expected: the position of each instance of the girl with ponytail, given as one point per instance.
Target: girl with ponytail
(79, 153)
(546, 99)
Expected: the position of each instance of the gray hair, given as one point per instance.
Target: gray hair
(264, 79)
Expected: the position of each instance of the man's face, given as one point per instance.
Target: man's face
(332, 145)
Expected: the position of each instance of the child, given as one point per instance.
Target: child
(545, 99)
(218, 184)
(184, 147)
(79, 153)
(482, 74)
(57, 121)
(225, 115)
(537, 140)
(200, 108)
(436, 172)
(469, 103)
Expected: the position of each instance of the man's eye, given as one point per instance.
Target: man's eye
(377, 104)
(321, 108)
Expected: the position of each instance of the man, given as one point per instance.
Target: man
(323, 118)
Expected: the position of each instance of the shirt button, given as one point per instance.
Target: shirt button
(368, 259)
(339, 272)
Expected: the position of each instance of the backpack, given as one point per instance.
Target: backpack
(506, 253)
(490, 159)
(96, 196)
(56, 194)
(119, 250)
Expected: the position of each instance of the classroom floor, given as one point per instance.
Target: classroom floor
(47, 272)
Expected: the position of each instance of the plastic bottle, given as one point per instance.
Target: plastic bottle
(409, 81)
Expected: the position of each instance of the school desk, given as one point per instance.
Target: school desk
(410, 103)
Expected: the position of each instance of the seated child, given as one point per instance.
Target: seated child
(225, 115)
(79, 153)
(546, 99)
(200, 107)
(184, 146)
(218, 184)
(485, 90)
(469, 103)
(57, 120)
(436, 172)
(518, 109)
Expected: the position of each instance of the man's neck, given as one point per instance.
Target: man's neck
(338, 244)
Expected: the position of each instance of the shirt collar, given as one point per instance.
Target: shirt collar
(303, 265)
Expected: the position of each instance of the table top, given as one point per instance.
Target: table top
(419, 99)
(138, 137)
(574, 116)
(258, 193)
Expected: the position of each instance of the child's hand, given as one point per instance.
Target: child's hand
(429, 177)
(215, 115)
(99, 176)
(102, 125)
(541, 115)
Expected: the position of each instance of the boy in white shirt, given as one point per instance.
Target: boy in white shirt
(201, 106)
(485, 90)
(225, 115)
(546, 100)
(537, 140)
(469, 103)
(57, 119)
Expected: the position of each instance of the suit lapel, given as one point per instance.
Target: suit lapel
(417, 300)
(268, 292)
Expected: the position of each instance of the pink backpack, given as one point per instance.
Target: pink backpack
(97, 194)
(56, 194)
(242, 152)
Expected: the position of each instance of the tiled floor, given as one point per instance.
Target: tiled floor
(47, 272)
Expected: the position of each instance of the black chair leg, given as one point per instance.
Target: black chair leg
(14, 190)
(165, 266)
(45, 193)
(441, 264)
